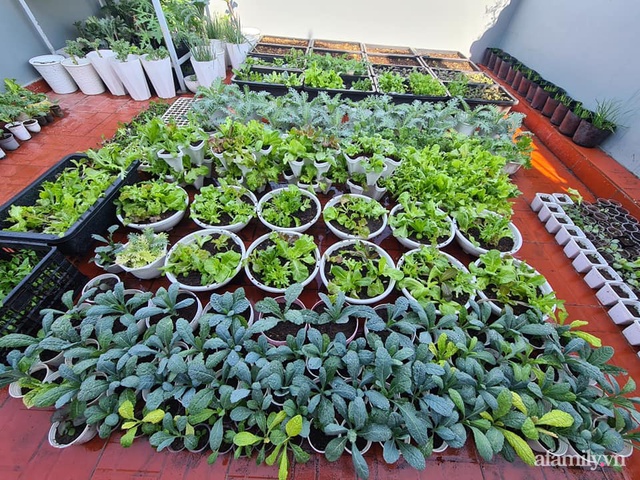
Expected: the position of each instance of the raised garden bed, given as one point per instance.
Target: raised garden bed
(406, 61)
(288, 41)
(450, 64)
(440, 54)
(266, 49)
(388, 50)
(336, 45)
(275, 81)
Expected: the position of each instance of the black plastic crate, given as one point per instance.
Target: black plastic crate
(42, 288)
(77, 239)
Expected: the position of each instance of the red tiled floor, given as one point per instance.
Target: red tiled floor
(25, 454)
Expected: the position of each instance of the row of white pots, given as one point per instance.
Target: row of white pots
(17, 131)
(623, 305)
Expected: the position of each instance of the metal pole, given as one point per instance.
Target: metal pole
(169, 41)
(37, 26)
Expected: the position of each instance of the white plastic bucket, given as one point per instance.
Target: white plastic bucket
(51, 69)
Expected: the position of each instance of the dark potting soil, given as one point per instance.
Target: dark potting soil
(203, 440)
(505, 244)
(444, 55)
(65, 438)
(106, 285)
(189, 312)
(332, 329)
(46, 355)
(39, 374)
(282, 329)
(344, 46)
(272, 50)
(373, 224)
(384, 60)
(450, 64)
(518, 308)
(319, 439)
(619, 291)
(194, 277)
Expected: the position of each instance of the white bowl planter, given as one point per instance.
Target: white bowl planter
(575, 245)
(468, 246)
(191, 82)
(411, 244)
(601, 274)
(586, 260)
(548, 209)
(149, 271)
(161, 225)
(51, 69)
(345, 236)
(19, 131)
(87, 434)
(132, 77)
(191, 238)
(301, 228)
(632, 334)
(613, 292)
(101, 61)
(567, 232)
(625, 312)
(160, 75)
(557, 221)
(540, 199)
(381, 251)
(236, 227)
(84, 75)
(266, 288)
(96, 282)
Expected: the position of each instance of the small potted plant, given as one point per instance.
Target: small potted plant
(68, 429)
(289, 209)
(144, 253)
(105, 256)
(229, 206)
(480, 232)
(157, 205)
(420, 223)
(351, 216)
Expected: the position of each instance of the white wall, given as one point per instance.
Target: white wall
(589, 48)
(463, 25)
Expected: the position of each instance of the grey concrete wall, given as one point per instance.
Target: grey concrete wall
(20, 40)
(589, 48)
(464, 25)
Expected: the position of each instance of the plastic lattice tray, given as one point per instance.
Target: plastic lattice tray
(178, 111)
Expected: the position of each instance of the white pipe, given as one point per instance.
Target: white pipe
(37, 26)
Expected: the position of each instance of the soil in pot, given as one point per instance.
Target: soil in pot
(270, 50)
(505, 244)
(203, 440)
(284, 41)
(66, 438)
(305, 216)
(194, 277)
(284, 328)
(46, 355)
(336, 53)
(390, 50)
(518, 308)
(348, 252)
(188, 313)
(451, 64)
(344, 46)
(319, 439)
(332, 329)
(390, 60)
(373, 224)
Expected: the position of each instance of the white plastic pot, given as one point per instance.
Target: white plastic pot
(301, 228)
(147, 272)
(468, 246)
(193, 322)
(96, 281)
(206, 71)
(238, 53)
(174, 161)
(354, 165)
(632, 334)
(355, 189)
(411, 244)
(372, 177)
(132, 77)
(548, 209)
(84, 75)
(607, 295)
(562, 199)
(556, 222)
(9, 142)
(2, 154)
(15, 390)
(381, 251)
(195, 152)
(87, 434)
(465, 129)
(236, 227)
(625, 312)
(220, 51)
(600, 275)
(161, 225)
(101, 61)
(19, 131)
(391, 166)
(540, 199)
(191, 82)
(375, 192)
(586, 260)
(266, 288)
(567, 232)
(511, 168)
(345, 236)
(193, 237)
(161, 76)
(32, 125)
(251, 35)
(51, 69)
(575, 245)
(559, 451)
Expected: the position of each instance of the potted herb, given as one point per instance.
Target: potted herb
(592, 131)
(278, 259)
(229, 207)
(480, 232)
(289, 209)
(420, 223)
(105, 255)
(351, 216)
(432, 276)
(205, 260)
(143, 254)
(80, 68)
(157, 205)
(362, 270)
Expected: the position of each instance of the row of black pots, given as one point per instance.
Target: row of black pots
(581, 131)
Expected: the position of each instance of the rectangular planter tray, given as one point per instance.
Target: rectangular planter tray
(77, 239)
(42, 288)
(345, 93)
(450, 64)
(448, 54)
(267, 39)
(338, 53)
(374, 49)
(271, 59)
(401, 60)
(501, 103)
(283, 49)
(441, 72)
(336, 45)
(274, 89)
(410, 97)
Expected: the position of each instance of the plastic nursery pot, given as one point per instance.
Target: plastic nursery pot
(558, 114)
(32, 125)
(330, 329)
(8, 142)
(347, 236)
(273, 340)
(589, 136)
(575, 245)
(612, 292)
(632, 333)
(599, 275)
(236, 227)
(625, 312)
(557, 221)
(300, 229)
(408, 243)
(468, 246)
(547, 210)
(540, 199)
(101, 61)
(103, 283)
(149, 271)
(569, 124)
(192, 238)
(550, 106)
(568, 232)
(86, 434)
(19, 131)
(539, 98)
(39, 371)
(161, 225)
(559, 450)
(256, 243)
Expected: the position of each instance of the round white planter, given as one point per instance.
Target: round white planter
(148, 271)
(266, 288)
(8, 142)
(191, 238)
(345, 236)
(51, 69)
(301, 228)
(32, 125)
(454, 261)
(87, 434)
(84, 75)
(19, 131)
(101, 61)
(625, 312)
(411, 244)
(15, 390)
(161, 225)
(471, 249)
(161, 76)
(381, 251)
(236, 227)
(238, 53)
(132, 77)
(191, 82)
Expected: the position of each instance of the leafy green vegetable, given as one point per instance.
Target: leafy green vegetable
(281, 209)
(13, 269)
(146, 202)
(142, 249)
(224, 205)
(354, 214)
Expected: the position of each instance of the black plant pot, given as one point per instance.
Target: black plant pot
(589, 136)
(558, 115)
(42, 120)
(511, 75)
(550, 107)
(515, 83)
(504, 70)
(569, 124)
(533, 88)
(496, 66)
(490, 59)
(539, 98)
(523, 88)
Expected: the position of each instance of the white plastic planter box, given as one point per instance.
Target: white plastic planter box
(557, 221)
(547, 210)
(612, 292)
(567, 232)
(625, 312)
(541, 199)
(632, 334)
(237, 53)
(600, 275)
(576, 245)
(101, 61)
(588, 259)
